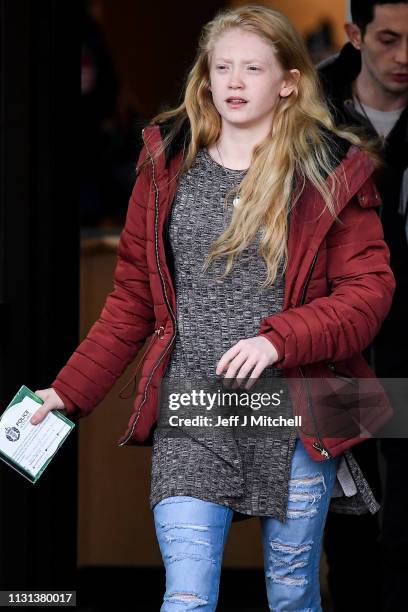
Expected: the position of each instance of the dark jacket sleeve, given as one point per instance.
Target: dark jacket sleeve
(361, 286)
(126, 320)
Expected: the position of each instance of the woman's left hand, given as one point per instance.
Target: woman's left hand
(248, 356)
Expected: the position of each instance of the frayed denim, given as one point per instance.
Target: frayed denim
(192, 535)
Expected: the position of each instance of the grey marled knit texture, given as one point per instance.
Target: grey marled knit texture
(250, 475)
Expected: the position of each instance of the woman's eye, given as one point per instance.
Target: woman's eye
(253, 68)
(221, 67)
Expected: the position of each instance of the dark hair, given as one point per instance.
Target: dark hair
(362, 11)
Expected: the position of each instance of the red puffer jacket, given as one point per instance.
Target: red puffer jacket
(338, 290)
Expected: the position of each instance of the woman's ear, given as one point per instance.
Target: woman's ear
(290, 84)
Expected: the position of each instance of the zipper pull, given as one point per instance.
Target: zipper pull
(322, 451)
(158, 331)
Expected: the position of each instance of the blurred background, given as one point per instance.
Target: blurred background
(79, 80)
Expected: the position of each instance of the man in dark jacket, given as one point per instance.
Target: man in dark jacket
(367, 84)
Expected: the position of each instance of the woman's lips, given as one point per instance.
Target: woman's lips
(236, 102)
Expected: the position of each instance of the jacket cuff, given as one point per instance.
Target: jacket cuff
(277, 341)
(70, 408)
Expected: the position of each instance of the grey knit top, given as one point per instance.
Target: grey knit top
(249, 474)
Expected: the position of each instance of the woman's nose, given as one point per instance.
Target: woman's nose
(235, 79)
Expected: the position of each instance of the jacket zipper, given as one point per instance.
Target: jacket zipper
(317, 445)
(156, 240)
(307, 281)
(154, 337)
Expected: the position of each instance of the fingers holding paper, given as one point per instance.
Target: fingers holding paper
(51, 400)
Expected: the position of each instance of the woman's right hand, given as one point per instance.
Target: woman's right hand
(52, 401)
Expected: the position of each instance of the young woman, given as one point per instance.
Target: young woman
(251, 250)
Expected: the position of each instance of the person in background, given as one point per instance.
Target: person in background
(367, 84)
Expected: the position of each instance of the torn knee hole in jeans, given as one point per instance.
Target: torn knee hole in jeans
(293, 513)
(184, 545)
(167, 526)
(192, 597)
(304, 493)
(288, 580)
(285, 560)
(304, 496)
(181, 556)
(304, 482)
(169, 539)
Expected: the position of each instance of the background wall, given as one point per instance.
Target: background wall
(153, 44)
(305, 15)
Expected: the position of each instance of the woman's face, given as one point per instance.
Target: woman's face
(246, 79)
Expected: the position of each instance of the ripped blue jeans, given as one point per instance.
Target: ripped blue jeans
(192, 535)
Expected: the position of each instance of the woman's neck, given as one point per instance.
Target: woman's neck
(236, 146)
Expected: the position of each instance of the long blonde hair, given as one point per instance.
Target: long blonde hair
(298, 148)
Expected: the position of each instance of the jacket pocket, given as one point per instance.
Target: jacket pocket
(341, 376)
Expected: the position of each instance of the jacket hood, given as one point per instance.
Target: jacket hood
(349, 161)
(155, 134)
